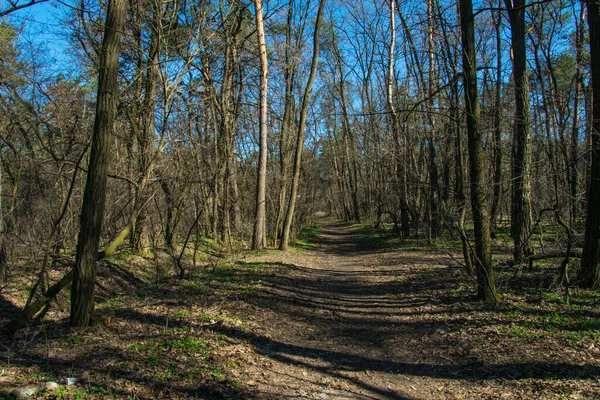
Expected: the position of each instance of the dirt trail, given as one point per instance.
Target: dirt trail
(349, 321)
(345, 323)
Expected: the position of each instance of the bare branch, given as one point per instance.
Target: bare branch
(15, 6)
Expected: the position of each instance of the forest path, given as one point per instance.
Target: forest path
(349, 321)
(344, 320)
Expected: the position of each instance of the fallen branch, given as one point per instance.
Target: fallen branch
(537, 257)
(36, 306)
(32, 309)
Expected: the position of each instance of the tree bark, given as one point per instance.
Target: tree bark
(288, 122)
(590, 260)
(435, 224)
(92, 212)
(521, 194)
(287, 226)
(486, 286)
(399, 167)
(574, 153)
(259, 238)
(497, 142)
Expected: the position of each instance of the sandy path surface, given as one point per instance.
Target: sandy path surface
(344, 323)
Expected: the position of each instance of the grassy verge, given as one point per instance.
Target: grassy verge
(308, 238)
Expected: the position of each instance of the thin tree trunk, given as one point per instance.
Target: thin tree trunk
(435, 225)
(399, 167)
(486, 286)
(285, 237)
(3, 263)
(259, 238)
(574, 153)
(138, 238)
(497, 142)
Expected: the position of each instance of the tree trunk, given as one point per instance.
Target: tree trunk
(285, 237)
(590, 261)
(521, 194)
(497, 142)
(259, 238)
(399, 167)
(138, 239)
(435, 224)
(574, 153)
(486, 286)
(287, 124)
(3, 261)
(92, 212)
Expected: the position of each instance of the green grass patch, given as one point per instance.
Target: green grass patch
(210, 317)
(571, 323)
(519, 331)
(375, 238)
(178, 356)
(242, 278)
(158, 346)
(308, 238)
(194, 287)
(241, 275)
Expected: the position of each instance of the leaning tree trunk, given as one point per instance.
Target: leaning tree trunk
(590, 261)
(287, 226)
(92, 211)
(287, 125)
(521, 194)
(486, 286)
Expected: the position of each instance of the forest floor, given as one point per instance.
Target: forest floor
(342, 318)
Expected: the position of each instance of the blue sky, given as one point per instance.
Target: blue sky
(43, 32)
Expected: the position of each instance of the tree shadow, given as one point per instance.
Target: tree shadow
(8, 311)
(343, 361)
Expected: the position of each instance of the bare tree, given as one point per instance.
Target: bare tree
(259, 238)
(285, 236)
(395, 121)
(486, 285)
(590, 261)
(15, 5)
(521, 195)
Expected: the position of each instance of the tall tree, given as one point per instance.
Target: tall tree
(259, 239)
(145, 135)
(497, 141)
(590, 261)
(521, 194)
(486, 285)
(435, 225)
(287, 226)
(574, 154)
(395, 122)
(92, 211)
(289, 111)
